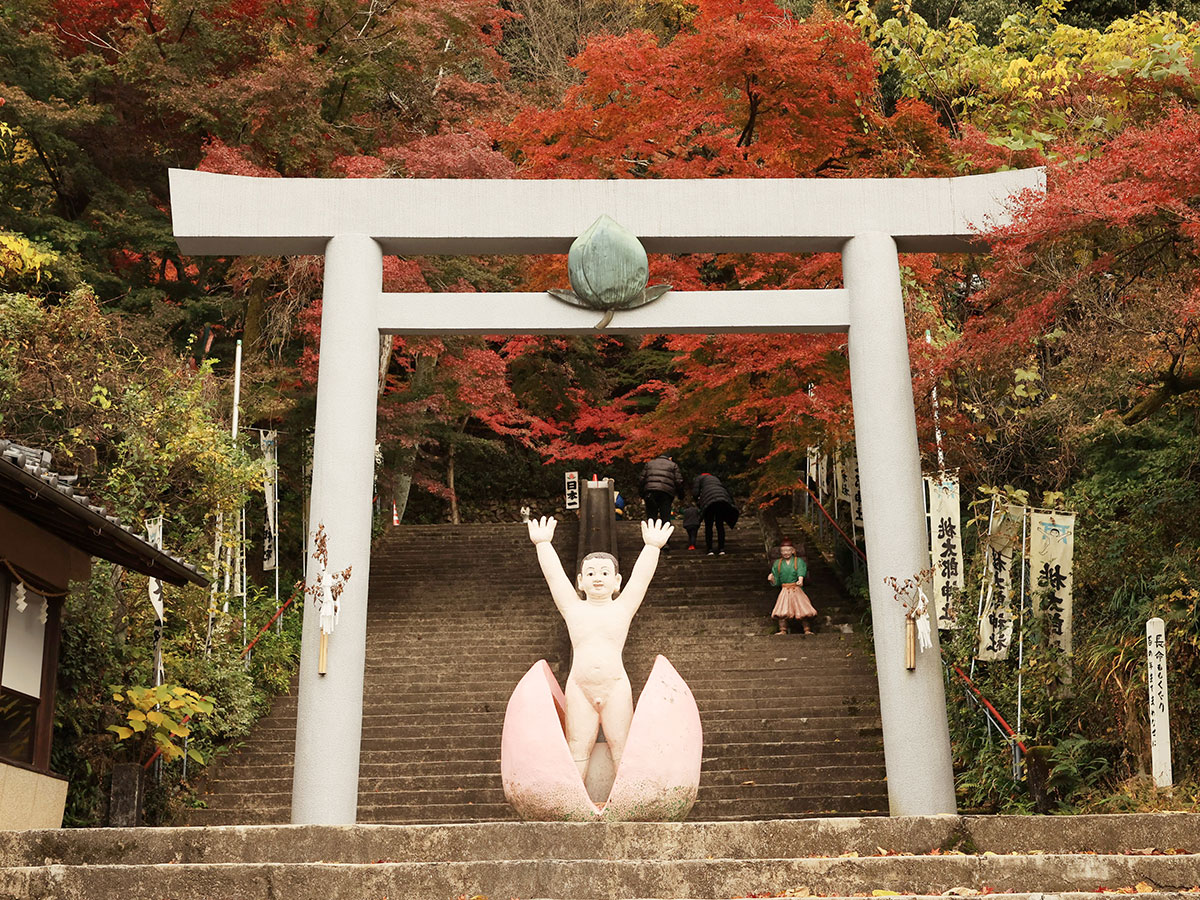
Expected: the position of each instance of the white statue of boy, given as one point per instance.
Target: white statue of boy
(598, 691)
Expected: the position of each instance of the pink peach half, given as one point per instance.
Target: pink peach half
(659, 774)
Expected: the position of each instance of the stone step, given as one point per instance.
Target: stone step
(1138, 836)
(733, 758)
(378, 776)
(764, 692)
(453, 697)
(815, 730)
(596, 879)
(713, 675)
(378, 793)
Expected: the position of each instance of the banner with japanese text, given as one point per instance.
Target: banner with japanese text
(154, 529)
(1051, 564)
(268, 440)
(854, 491)
(1001, 549)
(945, 547)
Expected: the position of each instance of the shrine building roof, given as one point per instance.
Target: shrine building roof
(52, 502)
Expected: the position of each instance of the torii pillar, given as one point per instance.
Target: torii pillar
(353, 222)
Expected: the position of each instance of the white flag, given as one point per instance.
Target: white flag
(853, 490)
(1051, 565)
(154, 538)
(269, 442)
(154, 587)
(996, 620)
(946, 547)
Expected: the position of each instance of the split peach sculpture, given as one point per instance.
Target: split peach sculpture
(552, 767)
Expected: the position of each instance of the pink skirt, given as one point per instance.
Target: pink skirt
(793, 603)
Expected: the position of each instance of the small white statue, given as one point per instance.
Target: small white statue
(921, 613)
(598, 616)
(525, 513)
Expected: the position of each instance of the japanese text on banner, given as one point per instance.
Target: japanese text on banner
(1000, 548)
(1051, 551)
(946, 548)
(268, 440)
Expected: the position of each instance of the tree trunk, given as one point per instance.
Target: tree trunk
(256, 316)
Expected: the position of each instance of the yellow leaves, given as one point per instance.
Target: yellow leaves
(1031, 74)
(21, 257)
(146, 716)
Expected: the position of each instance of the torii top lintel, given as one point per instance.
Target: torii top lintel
(232, 214)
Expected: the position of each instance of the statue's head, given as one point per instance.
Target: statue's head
(598, 578)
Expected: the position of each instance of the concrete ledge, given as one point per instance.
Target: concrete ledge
(602, 879)
(30, 799)
(832, 837)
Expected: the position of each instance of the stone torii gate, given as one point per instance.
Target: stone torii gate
(354, 222)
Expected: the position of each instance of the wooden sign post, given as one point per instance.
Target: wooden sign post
(1160, 716)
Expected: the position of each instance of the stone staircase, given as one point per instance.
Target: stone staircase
(1020, 858)
(459, 613)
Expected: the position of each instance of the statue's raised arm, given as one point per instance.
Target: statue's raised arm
(655, 534)
(541, 532)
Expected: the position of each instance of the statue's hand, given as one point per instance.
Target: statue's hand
(656, 533)
(541, 531)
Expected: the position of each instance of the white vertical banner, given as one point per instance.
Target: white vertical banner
(571, 488)
(812, 471)
(1001, 547)
(854, 491)
(824, 470)
(154, 537)
(1051, 566)
(269, 441)
(839, 480)
(1160, 713)
(945, 547)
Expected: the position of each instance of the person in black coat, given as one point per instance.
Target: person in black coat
(660, 484)
(716, 505)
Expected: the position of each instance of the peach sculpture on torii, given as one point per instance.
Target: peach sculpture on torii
(648, 767)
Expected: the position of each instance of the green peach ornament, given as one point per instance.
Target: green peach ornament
(608, 270)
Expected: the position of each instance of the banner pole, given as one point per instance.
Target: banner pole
(937, 418)
(982, 580)
(1021, 638)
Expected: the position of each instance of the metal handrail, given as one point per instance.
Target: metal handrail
(997, 719)
(832, 521)
(158, 750)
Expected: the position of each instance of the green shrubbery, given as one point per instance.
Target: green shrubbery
(1086, 718)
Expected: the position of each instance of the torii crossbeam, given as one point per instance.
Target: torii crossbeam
(354, 222)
